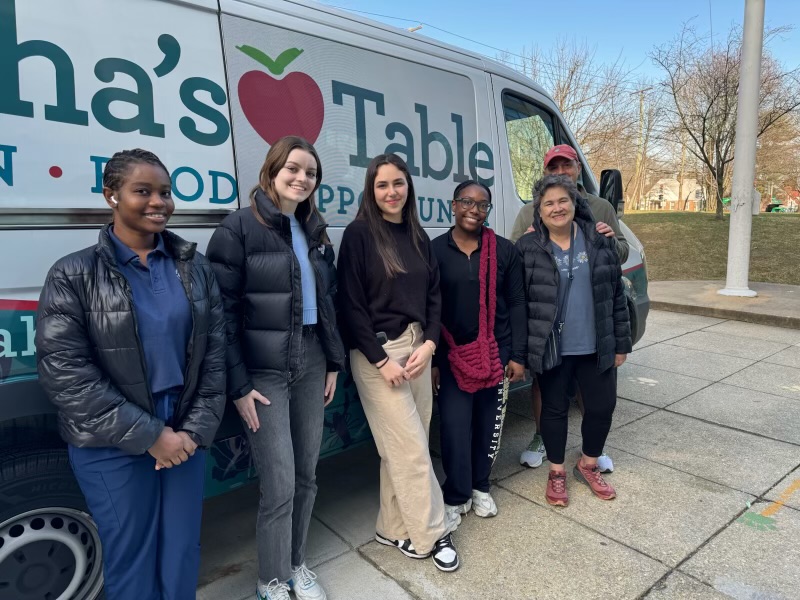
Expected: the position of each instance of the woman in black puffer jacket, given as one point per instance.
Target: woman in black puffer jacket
(131, 351)
(574, 288)
(274, 264)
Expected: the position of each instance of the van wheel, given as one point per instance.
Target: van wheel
(49, 545)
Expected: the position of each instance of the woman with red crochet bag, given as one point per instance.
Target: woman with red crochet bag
(482, 347)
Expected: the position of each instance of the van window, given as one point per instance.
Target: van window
(530, 133)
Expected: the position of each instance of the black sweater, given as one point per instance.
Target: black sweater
(460, 285)
(370, 302)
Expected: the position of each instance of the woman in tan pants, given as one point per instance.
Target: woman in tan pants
(390, 310)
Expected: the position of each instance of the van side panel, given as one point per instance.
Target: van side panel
(354, 97)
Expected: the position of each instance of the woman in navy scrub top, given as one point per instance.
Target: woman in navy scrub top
(131, 350)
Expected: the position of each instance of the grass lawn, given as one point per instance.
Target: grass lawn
(694, 246)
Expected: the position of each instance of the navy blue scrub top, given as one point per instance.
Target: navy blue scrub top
(163, 313)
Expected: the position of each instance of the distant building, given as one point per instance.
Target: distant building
(664, 196)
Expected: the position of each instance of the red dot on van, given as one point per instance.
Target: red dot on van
(56, 172)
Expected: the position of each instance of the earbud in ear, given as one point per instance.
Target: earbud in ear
(114, 200)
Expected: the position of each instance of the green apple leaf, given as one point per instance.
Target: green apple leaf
(277, 66)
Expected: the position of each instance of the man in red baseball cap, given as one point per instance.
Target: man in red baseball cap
(563, 160)
(563, 151)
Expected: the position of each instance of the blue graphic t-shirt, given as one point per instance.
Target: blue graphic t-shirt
(578, 335)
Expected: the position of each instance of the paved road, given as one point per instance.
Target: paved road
(706, 444)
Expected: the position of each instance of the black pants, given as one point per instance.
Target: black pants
(470, 427)
(599, 391)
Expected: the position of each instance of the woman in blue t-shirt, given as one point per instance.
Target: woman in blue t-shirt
(578, 327)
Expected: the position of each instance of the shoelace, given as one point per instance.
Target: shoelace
(305, 576)
(278, 590)
(595, 475)
(444, 542)
(559, 484)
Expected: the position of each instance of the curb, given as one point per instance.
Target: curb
(726, 313)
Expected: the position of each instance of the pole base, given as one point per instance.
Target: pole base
(742, 292)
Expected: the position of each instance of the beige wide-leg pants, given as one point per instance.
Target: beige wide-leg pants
(399, 417)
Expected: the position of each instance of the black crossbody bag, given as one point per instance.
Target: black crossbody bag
(552, 348)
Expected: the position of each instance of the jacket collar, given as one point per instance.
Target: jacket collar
(173, 245)
(314, 227)
(452, 243)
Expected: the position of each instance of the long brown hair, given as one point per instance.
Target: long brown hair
(369, 212)
(276, 159)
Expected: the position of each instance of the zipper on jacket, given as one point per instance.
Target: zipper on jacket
(129, 294)
(591, 250)
(291, 318)
(188, 289)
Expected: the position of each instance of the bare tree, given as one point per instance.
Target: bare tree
(601, 105)
(702, 82)
(778, 158)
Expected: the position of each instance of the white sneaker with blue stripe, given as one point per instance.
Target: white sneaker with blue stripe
(274, 590)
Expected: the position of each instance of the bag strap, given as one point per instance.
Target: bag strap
(565, 300)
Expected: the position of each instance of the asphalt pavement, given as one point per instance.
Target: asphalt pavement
(706, 447)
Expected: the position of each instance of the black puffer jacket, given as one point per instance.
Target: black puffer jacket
(259, 276)
(612, 322)
(90, 358)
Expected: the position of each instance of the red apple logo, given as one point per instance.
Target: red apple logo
(279, 107)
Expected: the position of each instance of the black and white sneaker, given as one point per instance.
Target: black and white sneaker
(445, 556)
(405, 546)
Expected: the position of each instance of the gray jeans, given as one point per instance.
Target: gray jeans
(285, 450)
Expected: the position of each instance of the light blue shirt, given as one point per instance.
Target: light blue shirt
(300, 247)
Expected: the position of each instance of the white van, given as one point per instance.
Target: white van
(207, 85)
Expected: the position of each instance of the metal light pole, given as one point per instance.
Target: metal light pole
(744, 165)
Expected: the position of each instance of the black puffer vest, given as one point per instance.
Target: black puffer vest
(612, 322)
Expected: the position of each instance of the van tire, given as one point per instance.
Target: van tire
(49, 544)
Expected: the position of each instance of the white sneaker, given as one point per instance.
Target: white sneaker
(483, 504)
(274, 590)
(303, 584)
(453, 513)
(534, 454)
(604, 463)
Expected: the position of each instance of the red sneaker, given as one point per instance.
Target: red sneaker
(556, 492)
(592, 477)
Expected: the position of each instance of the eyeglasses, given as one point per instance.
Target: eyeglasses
(468, 203)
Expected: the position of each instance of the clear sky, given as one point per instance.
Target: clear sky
(626, 28)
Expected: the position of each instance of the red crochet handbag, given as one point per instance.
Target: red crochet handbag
(476, 365)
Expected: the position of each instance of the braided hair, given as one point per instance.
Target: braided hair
(468, 183)
(121, 163)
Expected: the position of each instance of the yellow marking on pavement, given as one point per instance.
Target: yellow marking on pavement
(782, 499)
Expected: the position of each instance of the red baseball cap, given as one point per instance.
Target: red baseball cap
(562, 150)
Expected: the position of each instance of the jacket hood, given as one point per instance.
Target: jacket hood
(180, 248)
(314, 226)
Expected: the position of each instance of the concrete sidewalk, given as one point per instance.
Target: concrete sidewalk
(706, 446)
(777, 305)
